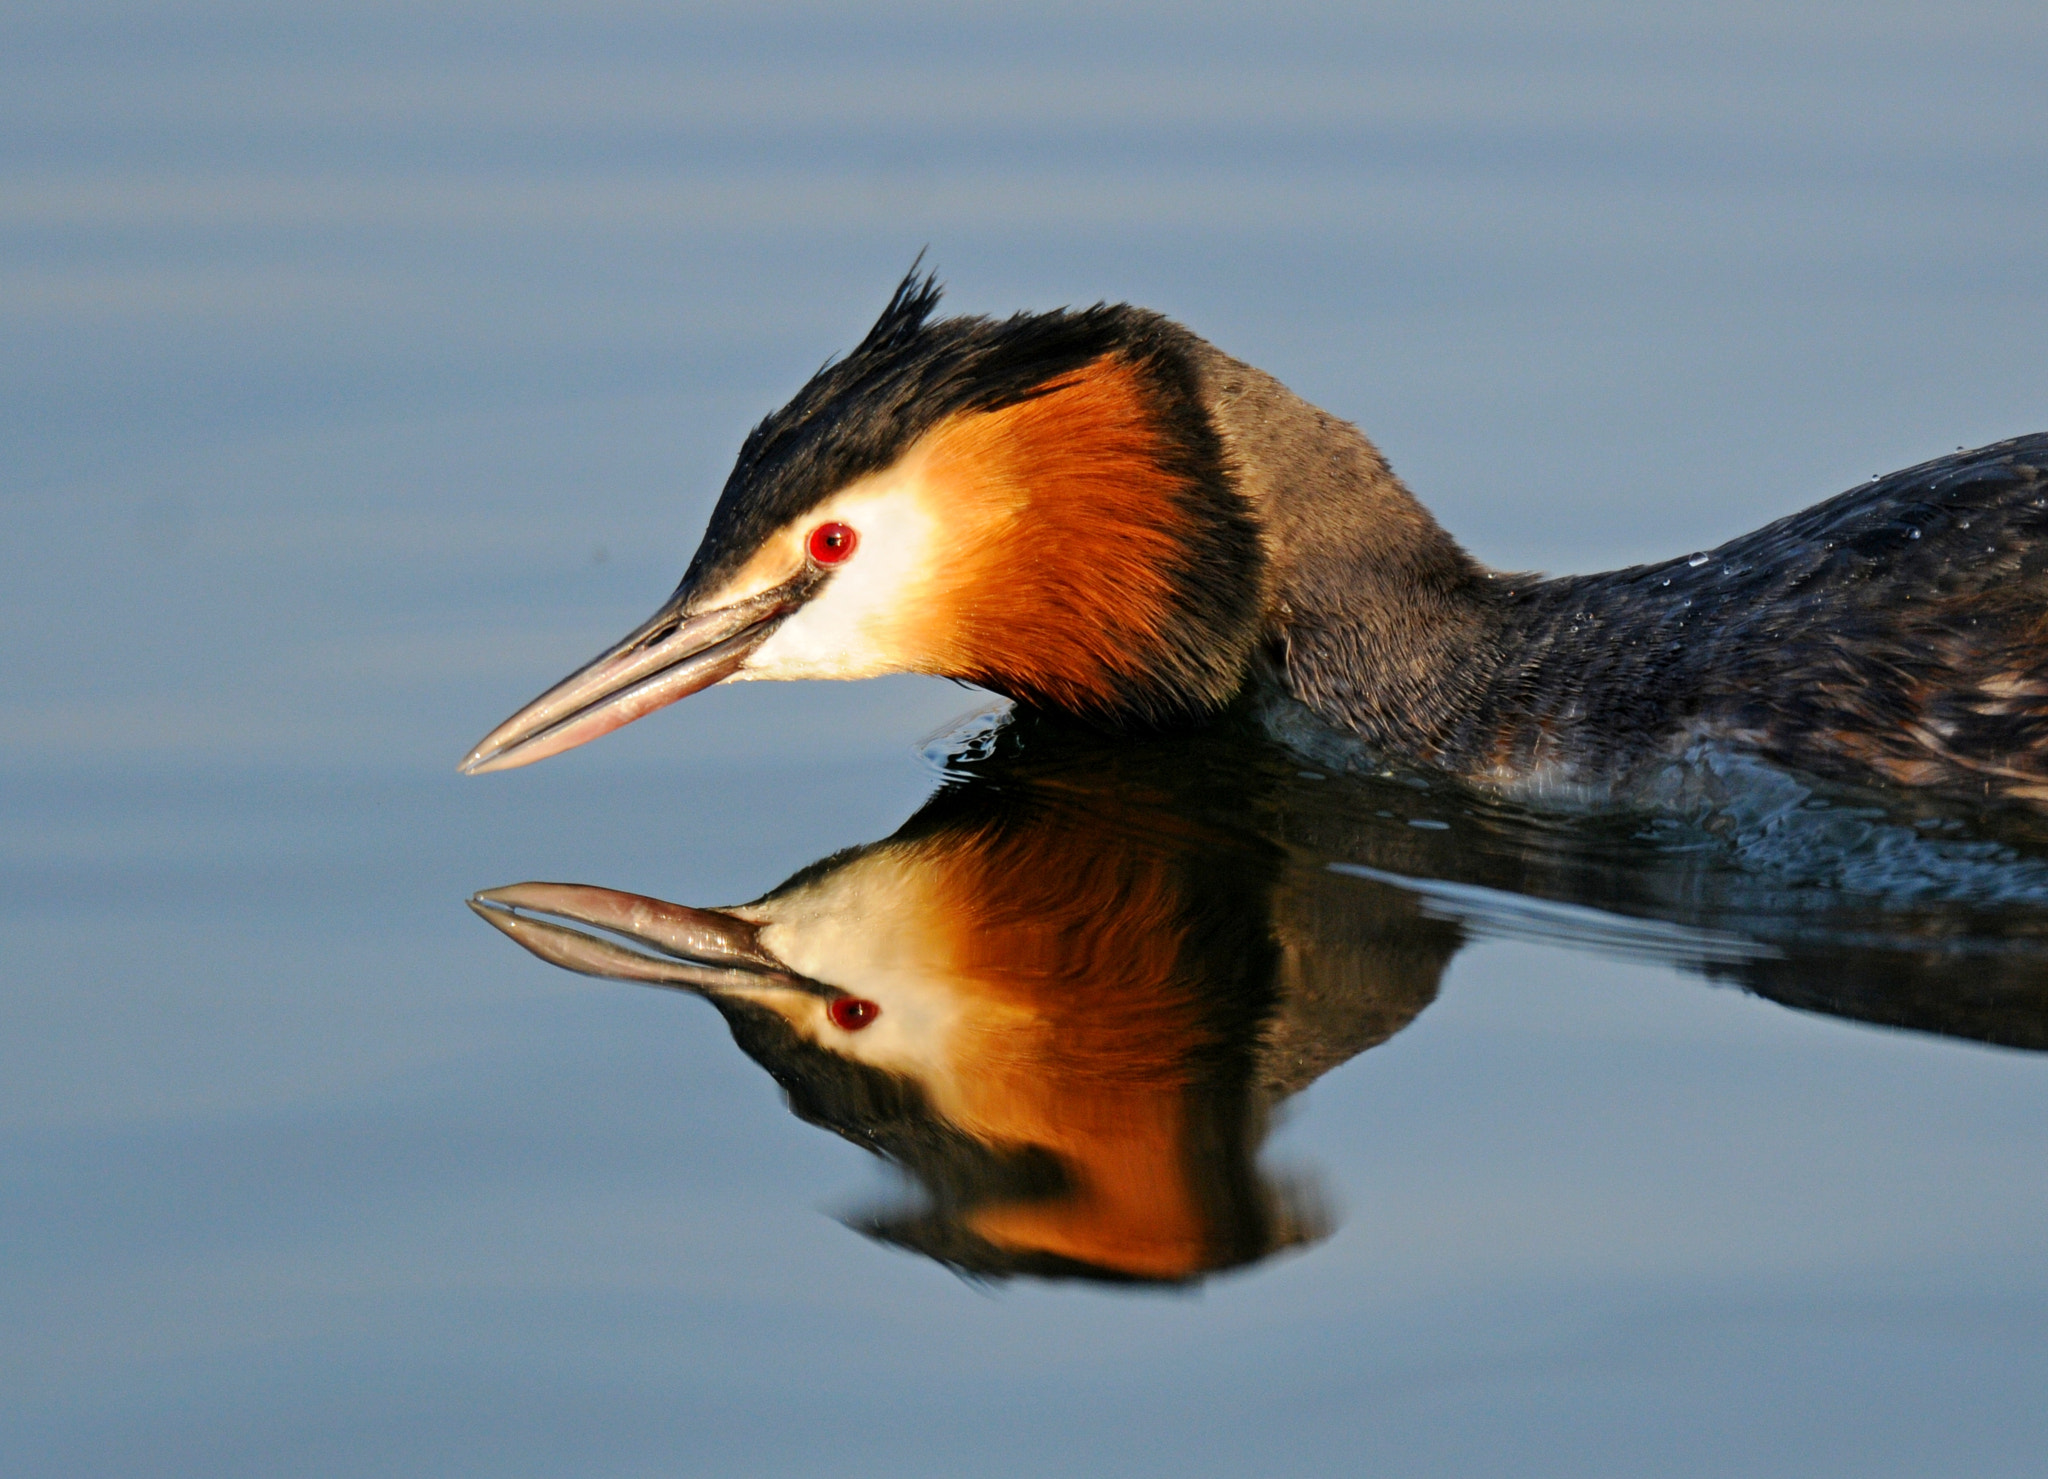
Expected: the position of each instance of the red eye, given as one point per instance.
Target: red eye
(851, 1013)
(831, 543)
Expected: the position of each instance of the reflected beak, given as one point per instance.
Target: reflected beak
(705, 951)
(670, 656)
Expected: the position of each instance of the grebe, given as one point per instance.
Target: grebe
(1066, 1008)
(1070, 995)
(1095, 511)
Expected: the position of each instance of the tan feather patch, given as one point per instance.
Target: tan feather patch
(1067, 580)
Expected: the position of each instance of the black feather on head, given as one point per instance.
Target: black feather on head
(858, 415)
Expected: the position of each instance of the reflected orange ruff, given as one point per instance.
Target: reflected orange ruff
(1098, 1037)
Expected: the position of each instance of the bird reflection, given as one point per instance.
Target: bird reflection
(1068, 995)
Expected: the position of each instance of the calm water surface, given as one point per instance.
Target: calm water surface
(363, 371)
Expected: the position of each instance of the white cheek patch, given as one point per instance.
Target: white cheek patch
(848, 630)
(868, 929)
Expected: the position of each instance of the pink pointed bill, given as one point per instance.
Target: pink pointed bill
(670, 656)
(629, 937)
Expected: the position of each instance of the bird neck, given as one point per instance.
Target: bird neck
(1380, 622)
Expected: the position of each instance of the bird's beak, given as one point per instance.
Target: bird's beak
(704, 951)
(669, 656)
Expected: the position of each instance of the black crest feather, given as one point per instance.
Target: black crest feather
(915, 300)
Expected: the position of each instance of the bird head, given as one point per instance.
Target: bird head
(1039, 505)
(1050, 1020)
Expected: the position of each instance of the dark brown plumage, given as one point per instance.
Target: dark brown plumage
(1899, 630)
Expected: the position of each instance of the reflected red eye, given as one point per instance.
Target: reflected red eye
(831, 543)
(851, 1013)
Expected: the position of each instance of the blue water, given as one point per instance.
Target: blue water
(363, 369)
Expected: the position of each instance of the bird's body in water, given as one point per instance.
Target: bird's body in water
(1096, 511)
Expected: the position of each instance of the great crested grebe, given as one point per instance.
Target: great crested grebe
(1070, 1032)
(1061, 997)
(1096, 511)
(1071, 994)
